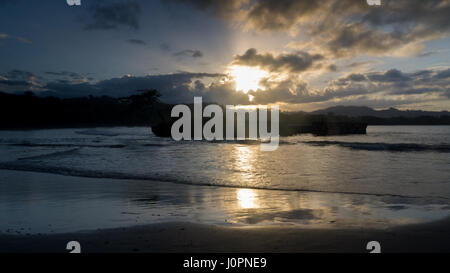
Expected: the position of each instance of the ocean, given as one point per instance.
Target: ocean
(120, 176)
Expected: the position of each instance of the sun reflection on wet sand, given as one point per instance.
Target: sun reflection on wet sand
(245, 166)
(247, 199)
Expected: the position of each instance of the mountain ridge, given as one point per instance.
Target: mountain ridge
(361, 111)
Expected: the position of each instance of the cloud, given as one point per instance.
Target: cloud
(354, 77)
(68, 77)
(19, 81)
(392, 87)
(17, 38)
(112, 15)
(20, 74)
(343, 28)
(445, 74)
(288, 62)
(73, 75)
(392, 75)
(165, 47)
(175, 88)
(194, 53)
(353, 25)
(394, 82)
(280, 15)
(137, 42)
(358, 64)
(351, 39)
(332, 68)
(13, 83)
(377, 89)
(428, 53)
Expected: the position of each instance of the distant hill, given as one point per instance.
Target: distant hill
(364, 111)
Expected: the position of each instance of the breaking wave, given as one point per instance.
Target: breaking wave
(394, 147)
(162, 178)
(26, 144)
(94, 132)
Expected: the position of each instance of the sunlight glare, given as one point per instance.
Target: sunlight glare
(247, 78)
(247, 198)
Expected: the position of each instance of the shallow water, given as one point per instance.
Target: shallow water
(392, 175)
(48, 203)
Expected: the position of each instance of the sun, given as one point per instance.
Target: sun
(247, 78)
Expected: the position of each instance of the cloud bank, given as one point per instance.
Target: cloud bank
(341, 28)
(378, 89)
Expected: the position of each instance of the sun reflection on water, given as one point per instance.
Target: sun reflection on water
(244, 158)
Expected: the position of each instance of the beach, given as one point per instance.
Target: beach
(123, 190)
(201, 238)
(100, 223)
(233, 126)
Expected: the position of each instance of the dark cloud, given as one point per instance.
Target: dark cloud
(19, 74)
(137, 42)
(19, 81)
(361, 88)
(392, 75)
(354, 77)
(164, 47)
(428, 13)
(370, 88)
(350, 39)
(427, 53)
(357, 64)
(69, 74)
(194, 53)
(396, 82)
(174, 88)
(13, 83)
(280, 15)
(111, 15)
(332, 68)
(443, 74)
(357, 77)
(344, 27)
(66, 89)
(289, 62)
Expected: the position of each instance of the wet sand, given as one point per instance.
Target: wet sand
(43, 212)
(36, 203)
(189, 237)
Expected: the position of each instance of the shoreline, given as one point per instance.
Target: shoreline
(62, 206)
(90, 126)
(177, 237)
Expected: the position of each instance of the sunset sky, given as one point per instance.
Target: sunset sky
(302, 55)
